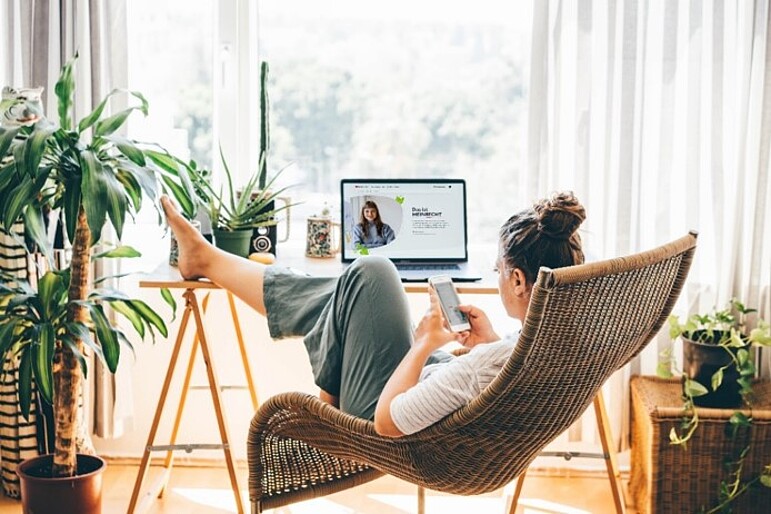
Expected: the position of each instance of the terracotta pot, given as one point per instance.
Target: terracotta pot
(81, 494)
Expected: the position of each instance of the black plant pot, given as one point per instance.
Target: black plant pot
(701, 361)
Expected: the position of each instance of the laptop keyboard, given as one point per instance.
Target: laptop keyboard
(432, 267)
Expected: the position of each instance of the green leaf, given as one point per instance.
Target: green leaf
(736, 339)
(664, 370)
(123, 251)
(765, 480)
(108, 339)
(717, 379)
(128, 148)
(64, 89)
(47, 289)
(78, 355)
(95, 195)
(96, 113)
(35, 228)
(25, 384)
(117, 205)
(82, 333)
(7, 339)
(149, 315)
(42, 357)
(71, 206)
(742, 356)
(109, 125)
(694, 388)
(132, 188)
(35, 147)
(6, 138)
(130, 314)
(739, 419)
(21, 196)
(169, 299)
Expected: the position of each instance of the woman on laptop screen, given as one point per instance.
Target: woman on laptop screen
(370, 231)
(366, 357)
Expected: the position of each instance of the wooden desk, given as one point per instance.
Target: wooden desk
(168, 277)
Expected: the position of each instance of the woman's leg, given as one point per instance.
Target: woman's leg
(198, 258)
(361, 336)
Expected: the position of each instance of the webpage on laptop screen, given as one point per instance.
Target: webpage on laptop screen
(420, 220)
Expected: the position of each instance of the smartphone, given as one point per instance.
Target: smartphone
(448, 299)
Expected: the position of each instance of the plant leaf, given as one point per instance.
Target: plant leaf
(94, 194)
(42, 357)
(25, 384)
(149, 315)
(123, 251)
(71, 203)
(64, 89)
(717, 379)
(35, 228)
(664, 370)
(694, 388)
(6, 138)
(130, 314)
(169, 298)
(108, 339)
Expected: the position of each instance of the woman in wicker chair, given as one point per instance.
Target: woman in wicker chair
(366, 357)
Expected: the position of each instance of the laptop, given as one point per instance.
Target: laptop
(420, 224)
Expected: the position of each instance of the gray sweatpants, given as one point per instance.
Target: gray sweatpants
(356, 327)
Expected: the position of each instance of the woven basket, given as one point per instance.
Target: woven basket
(667, 478)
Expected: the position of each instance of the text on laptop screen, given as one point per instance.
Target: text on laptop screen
(407, 220)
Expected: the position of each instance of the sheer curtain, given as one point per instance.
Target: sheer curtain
(658, 114)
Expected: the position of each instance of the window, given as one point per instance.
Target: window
(400, 89)
(393, 89)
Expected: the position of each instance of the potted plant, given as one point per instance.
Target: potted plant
(94, 177)
(234, 214)
(718, 372)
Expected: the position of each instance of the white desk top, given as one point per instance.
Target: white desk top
(166, 276)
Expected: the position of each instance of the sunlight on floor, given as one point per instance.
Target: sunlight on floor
(223, 499)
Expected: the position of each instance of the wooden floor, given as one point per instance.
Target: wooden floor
(203, 490)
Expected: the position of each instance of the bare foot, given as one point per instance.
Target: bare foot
(193, 248)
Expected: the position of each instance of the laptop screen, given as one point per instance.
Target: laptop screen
(404, 219)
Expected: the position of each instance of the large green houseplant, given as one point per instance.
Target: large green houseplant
(718, 372)
(93, 176)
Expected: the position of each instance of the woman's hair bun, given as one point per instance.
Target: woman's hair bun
(560, 215)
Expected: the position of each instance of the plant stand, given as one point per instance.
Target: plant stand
(668, 478)
(200, 340)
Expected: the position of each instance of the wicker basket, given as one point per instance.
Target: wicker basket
(670, 479)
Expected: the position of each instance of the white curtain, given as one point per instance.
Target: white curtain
(36, 38)
(658, 114)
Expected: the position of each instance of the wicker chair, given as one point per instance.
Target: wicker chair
(584, 322)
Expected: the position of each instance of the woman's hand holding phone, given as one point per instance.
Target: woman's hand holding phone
(433, 329)
(481, 331)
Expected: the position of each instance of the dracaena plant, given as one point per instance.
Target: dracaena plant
(94, 177)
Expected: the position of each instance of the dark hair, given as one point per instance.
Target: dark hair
(544, 235)
(364, 223)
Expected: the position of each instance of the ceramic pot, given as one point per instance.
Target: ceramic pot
(322, 238)
(235, 242)
(701, 361)
(81, 494)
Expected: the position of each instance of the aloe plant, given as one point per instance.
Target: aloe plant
(95, 177)
(229, 210)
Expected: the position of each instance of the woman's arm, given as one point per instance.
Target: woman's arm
(358, 235)
(430, 335)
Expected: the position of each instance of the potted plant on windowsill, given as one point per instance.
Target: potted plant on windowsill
(236, 213)
(718, 372)
(94, 177)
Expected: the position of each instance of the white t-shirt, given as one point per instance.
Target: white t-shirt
(445, 387)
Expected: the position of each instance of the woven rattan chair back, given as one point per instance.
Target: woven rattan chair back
(584, 323)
